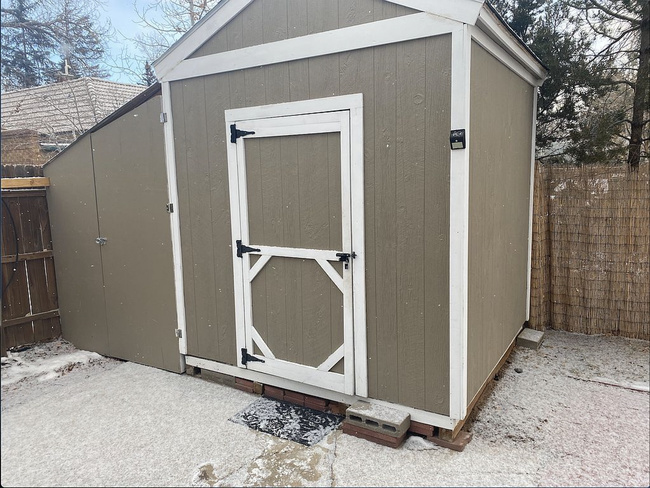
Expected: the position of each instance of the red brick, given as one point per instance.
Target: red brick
(273, 392)
(245, 388)
(458, 444)
(316, 401)
(422, 429)
(376, 437)
(242, 381)
(294, 397)
(315, 405)
(337, 408)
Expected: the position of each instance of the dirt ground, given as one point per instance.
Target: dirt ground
(578, 414)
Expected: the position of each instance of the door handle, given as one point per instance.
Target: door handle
(101, 241)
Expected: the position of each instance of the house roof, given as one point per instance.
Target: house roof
(69, 106)
(135, 102)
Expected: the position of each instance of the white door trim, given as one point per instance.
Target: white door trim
(355, 343)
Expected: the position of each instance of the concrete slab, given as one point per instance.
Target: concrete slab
(530, 338)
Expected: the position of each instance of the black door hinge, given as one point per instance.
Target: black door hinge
(245, 357)
(344, 257)
(170, 208)
(241, 249)
(235, 133)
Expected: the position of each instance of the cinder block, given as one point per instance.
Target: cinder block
(457, 444)
(273, 392)
(294, 397)
(372, 436)
(378, 418)
(530, 338)
(422, 429)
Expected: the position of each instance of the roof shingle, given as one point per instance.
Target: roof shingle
(69, 106)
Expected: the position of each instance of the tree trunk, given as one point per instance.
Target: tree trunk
(641, 90)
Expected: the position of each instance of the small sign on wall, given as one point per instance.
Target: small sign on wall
(457, 139)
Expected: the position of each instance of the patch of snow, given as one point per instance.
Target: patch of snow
(415, 443)
(18, 368)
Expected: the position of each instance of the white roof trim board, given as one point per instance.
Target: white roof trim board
(469, 12)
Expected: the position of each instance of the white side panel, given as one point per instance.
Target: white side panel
(459, 225)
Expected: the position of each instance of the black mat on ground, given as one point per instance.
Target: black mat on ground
(287, 421)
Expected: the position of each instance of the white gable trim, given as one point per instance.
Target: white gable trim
(494, 29)
(379, 33)
(194, 38)
(465, 11)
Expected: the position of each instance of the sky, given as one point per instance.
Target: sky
(121, 14)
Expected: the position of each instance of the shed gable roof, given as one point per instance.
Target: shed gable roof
(462, 11)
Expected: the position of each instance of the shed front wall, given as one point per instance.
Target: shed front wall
(406, 96)
(499, 181)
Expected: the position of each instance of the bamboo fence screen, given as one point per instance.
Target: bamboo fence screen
(591, 245)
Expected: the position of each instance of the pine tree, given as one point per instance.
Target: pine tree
(37, 36)
(25, 47)
(148, 77)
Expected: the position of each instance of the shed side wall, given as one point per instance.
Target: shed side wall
(406, 92)
(500, 148)
(265, 21)
(131, 185)
(73, 218)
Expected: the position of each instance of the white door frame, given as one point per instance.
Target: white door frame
(342, 114)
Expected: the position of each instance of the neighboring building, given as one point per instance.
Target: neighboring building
(38, 122)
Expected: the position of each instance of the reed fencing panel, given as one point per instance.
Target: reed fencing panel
(590, 250)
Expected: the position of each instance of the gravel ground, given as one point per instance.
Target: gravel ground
(71, 418)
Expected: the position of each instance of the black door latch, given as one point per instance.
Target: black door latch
(245, 357)
(235, 133)
(344, 257)
(241, 248)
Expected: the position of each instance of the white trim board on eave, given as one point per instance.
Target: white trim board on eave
(465, 11)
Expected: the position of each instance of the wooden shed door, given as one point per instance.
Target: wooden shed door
(294, 253)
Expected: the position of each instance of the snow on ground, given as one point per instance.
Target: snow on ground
(121, 424)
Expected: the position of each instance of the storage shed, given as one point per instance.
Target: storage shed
(351, 189)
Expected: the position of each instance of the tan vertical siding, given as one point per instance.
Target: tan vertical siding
(265, 21)
(500, 148)
(118, 299)
(131, 186)
(73, 214)
(406, 90)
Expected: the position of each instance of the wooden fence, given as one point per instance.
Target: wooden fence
(30, 310)
(591, 245)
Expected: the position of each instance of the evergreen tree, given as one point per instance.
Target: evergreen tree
(148, 77)
(25, 47)
(38, 36)
(567, 127)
